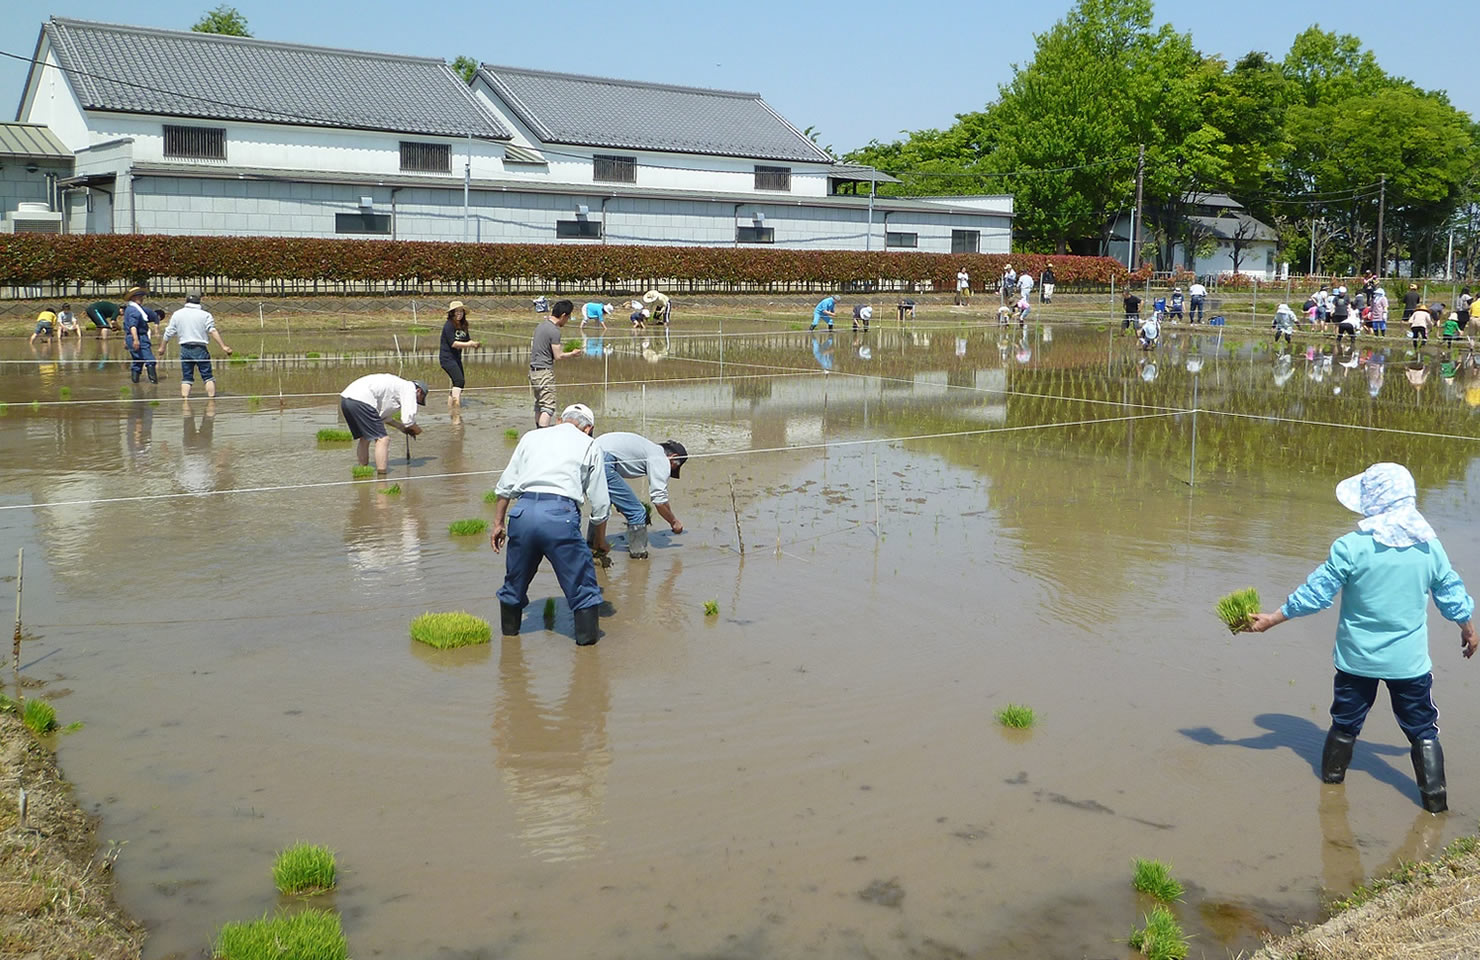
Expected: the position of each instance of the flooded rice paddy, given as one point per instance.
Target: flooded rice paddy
(934, 525)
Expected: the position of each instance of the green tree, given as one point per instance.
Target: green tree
(223, 19)
(465, 67)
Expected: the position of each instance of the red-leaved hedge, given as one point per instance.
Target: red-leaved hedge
(115, 258)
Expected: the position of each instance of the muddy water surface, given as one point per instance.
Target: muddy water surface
(816, 771)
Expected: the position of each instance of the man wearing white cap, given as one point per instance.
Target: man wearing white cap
(538, 513)
(1385, 572)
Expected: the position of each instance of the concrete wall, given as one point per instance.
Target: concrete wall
(18, 185)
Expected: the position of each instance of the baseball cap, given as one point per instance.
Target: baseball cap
(676, 449)
(193, 296)
(422, 386)
(580, 413)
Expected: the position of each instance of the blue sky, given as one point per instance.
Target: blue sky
(878, 69)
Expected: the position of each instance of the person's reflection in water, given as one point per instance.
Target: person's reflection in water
(1341, 854)
(140, 431)
(382, 540)
(1284, 369)
(554, 761)
(822, 351)
(196, 473)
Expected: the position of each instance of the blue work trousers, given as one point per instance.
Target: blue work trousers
(623, 499)
(142, 357)
(1413, 704)
(548, 526)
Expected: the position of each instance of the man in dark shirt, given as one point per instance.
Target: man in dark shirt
(1045, 284)
(544, 350)
(1411, 300)
(103, 314)
(1132, 311)
(140, 351)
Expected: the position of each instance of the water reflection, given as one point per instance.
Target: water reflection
(1341, 852)
(554, 759)
(197, 471)
(382, 540)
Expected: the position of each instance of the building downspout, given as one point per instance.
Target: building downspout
(394, 191)
(133, 217)
(734, 217)
(886, 228)
(603, 218)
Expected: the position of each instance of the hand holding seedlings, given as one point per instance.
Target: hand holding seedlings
(1260, 622)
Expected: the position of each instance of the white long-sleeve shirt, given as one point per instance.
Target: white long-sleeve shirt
(637, 456)
(560, 460)
(191, 324)
(387, 393)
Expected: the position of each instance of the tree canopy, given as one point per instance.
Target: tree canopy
(223, 19)
(465, 67)
(1300, 140)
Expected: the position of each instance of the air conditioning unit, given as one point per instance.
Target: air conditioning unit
(29, 217)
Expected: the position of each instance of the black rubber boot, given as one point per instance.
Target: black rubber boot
(1428, 770)
(637, 541)
(134, 376)
(1336, 756)
(510, 617)
(588, 626)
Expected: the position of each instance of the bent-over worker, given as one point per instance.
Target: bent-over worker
(369, 403)
(549, 474)
(633, 455)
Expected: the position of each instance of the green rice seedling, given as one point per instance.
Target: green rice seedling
(35, 406)
(4, 409)
(331, 435)
(1238, 608)
(254, 403)
(1162, 937)
(302, 935)
(394, 490)
(511, 434)
(312, 355)
(124, 392)
(549, 609)
(418, 328)
(65, 393)
(447, 630)
(236, 361)
(1016, 716)
(73, 727)
(572, 344)
(1154, 878)
(253, 356)
(7, 705)
(153, 403)
(39, 715)
(467, 528)
(364, 472)
(490, 496)
(304, 868)
(711, 608)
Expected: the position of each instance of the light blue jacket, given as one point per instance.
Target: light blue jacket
(1383, 631)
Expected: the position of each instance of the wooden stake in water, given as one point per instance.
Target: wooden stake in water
(400, 361)
(261, 321)
(644, 410)
(20, 573)
(735, 508)
(876, 493)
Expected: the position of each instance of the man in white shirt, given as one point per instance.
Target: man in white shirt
(1197, 295)
(963, 288)
(195, 328)
(630, 455)
(369, 404)
(1025, 286)
(550, 473)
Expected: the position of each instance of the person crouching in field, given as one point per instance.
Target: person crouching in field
(1284, 322)
(1385, 571)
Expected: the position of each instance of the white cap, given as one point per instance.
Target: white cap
(581, 414)
(607, 308)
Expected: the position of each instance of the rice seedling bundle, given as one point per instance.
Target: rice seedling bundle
(1162, 937)
(447, 630)
(711, 608)
(332, 435)
(511, 434)
(304, 935)
(467, 528)
(362, 472)
(1154, 878)
(392, 490)
(39, 715)
(304, 868)
(1017, 716)
(1238, 608)
(490, 496)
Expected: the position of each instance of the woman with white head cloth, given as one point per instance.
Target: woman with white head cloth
(1385, 571)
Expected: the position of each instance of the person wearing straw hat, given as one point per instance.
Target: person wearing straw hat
(660, 308)
(1385, 571)
(455, 339)
(196, 328)
(371, 402)
(538, 514)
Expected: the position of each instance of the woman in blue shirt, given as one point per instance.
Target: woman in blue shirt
(1385, 571)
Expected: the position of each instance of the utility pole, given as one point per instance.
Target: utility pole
(1313, 242)
(1381, 209)
(1135, 263)
(873, 183)
(467, 182)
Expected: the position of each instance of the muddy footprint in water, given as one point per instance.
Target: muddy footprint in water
(886, 893)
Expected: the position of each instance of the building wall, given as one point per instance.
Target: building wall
(18, 185)
(51, 101)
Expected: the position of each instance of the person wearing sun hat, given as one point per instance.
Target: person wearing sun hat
(1385, 571)
(455, 339)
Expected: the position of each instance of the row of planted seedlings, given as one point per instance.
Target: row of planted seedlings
(297, 931)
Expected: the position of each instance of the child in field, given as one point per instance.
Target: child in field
(1284, 322)
(1451, 331)
(1149, 333)
(1004, 315)
(66, 323)
(639, 318)
(1023, 307)
(44, 321)
(1176, 305)
(1159, 308)
(862, 314)
(1379, 309)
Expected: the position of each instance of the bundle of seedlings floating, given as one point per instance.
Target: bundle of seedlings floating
(1238, 608)
(124, 392)
(470, 527)
(511, 434)
(304, 868)
(40, 716)
(362, 471)
(549, 610)
(490, 496)
(711, 608)
(312, 355)
(334, 435)
(303, 935)
(1016, 716)
(1162, 937)
(1154, 878)
(254, 402)
(447, 630)
(65, 393)
(392, 490)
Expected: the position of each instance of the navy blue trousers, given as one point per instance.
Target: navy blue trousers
(142, 357)
(1413, 704)
(545, 526)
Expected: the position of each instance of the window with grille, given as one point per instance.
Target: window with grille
(755, 234)
(892, 239)
(772, 178)
(194, 143)
(578, 229)
(362, 223)
(965, 241)
(610, 169)
(425, 157)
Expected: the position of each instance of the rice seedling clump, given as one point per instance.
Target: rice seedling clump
(491, 496)
(392, 490)
(304, 935)
(1162, 937)
(511, 434)
(304, 868)
(571, 345)
(549, 608)
(1016, 716)
(65, 393)
(332, 435)
(1238, 608)
(362, 472)
(312, 355)
(447, 630)
(467, 528)
(40, 716)
(418, 328)
(1154, 878)
(711, 608)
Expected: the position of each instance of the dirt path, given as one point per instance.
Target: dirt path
(55, 890)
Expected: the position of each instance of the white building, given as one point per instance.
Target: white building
(1226, 240)
(189, 133)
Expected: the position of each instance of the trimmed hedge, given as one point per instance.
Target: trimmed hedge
(118, 258)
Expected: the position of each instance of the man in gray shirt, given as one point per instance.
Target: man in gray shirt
(629, 455)
(544, 350)
(195, 328)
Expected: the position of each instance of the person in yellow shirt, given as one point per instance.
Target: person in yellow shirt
(45, 324)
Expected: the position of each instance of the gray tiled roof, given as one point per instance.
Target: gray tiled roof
(31, 140)
(622, 114)
(185, 74)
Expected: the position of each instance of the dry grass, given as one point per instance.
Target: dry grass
(55, 895)
(1424, 911)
